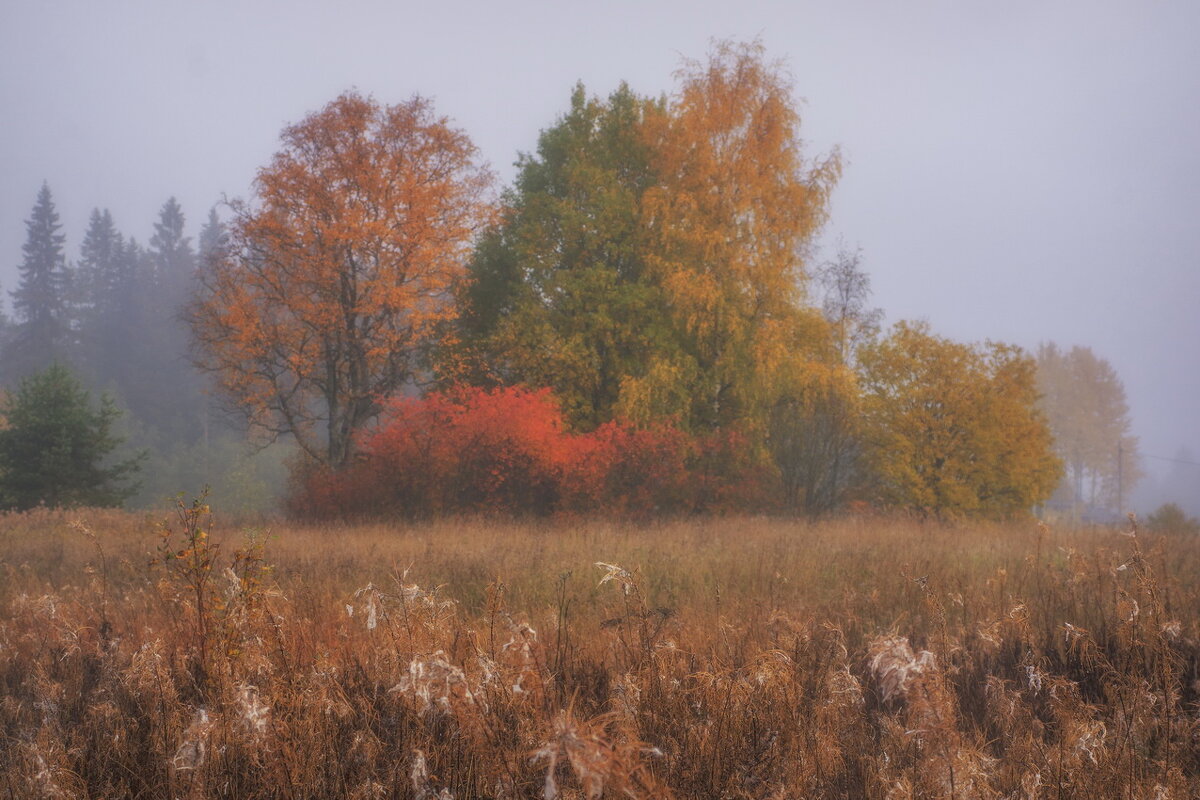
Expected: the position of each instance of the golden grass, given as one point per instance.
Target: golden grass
(739, 658)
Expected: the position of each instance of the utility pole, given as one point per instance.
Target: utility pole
(1120, 486)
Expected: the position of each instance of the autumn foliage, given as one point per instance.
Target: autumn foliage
(338, 276)
(509, 451)
(631, 331)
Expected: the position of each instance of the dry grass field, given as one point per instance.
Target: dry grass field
(720, 658)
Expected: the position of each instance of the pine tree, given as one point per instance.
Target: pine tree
(40, 300)
(99, 266)
(165, 391)
(55, 448)
(214, 239)
(174, 259)
(103, 282)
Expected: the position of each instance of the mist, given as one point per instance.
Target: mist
(1021, 172)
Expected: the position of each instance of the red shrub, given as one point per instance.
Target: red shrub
(507, 451)
(727, 476)
(622, 470)
(470, 450)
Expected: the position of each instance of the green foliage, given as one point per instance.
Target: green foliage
(558, 295)
(650, 263)
(1170, 518)
(40, 299)
(953, 429)
(55, 448)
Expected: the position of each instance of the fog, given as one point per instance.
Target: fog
(1021, 171)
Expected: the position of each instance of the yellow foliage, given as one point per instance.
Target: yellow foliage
(732, 215)
(954, 429)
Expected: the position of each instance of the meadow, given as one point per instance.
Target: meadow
(194, 656)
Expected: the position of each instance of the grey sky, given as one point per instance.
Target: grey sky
(1015, 170)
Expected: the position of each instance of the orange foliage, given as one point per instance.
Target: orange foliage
(507, 451)
(735, 212)
(339, 277)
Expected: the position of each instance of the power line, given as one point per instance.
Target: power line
(1172, 460)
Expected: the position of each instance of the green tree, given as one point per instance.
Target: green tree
(40, 299)
(169, 389)
(558, 294)
(172, 255)
(1170, 518)
(102, 277)
(954, 429)
(56, 449)
(651, 261)
(214, 240)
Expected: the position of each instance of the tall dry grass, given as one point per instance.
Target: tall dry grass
(739, 658)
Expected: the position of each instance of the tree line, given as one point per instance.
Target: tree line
(96, 352)
(646, 290)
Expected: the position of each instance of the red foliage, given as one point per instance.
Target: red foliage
(507, 451)
(622, 470)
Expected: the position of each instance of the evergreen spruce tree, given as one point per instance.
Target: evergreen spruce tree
(56, 448)
(173, 257)
(214, 239)
(105, 281)
(40, 299)
(167, 395)
(100, 259)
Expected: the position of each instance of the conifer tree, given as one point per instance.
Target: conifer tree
(99, 266)
(104, 283)
(173, 257)
(166, 394)
(56, 448)
(39, 301)
(213, 241)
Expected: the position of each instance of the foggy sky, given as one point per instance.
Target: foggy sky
(1018, 171)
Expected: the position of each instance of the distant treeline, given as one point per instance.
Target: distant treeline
(113, 316)
(639, 324)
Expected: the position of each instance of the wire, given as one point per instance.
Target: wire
(1172, 460)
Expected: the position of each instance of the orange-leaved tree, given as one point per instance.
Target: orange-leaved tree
(734, 213)
(338, 275)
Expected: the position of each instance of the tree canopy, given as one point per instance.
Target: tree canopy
(650, 262)
(558, 293)
(651, 275)
(954, 429)
(1084, 401)
(337, 277)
